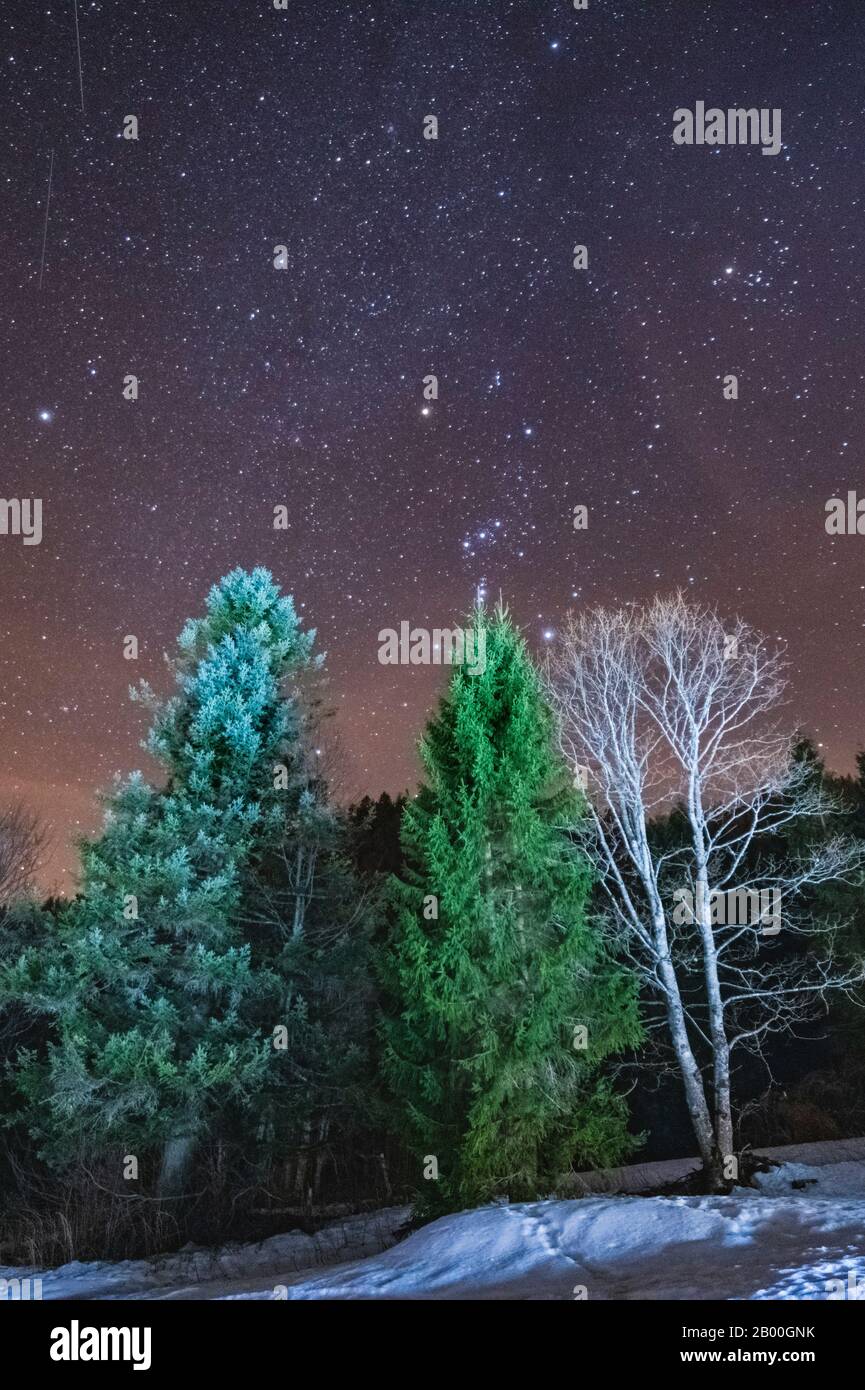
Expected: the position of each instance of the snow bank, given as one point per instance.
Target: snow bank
(651, 1177)
(778, 1241)
(184, 1273)
(839, 1180)
(534, 1250)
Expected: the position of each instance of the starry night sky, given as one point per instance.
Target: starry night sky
(409, 256)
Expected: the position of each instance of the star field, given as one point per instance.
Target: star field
(408, 257)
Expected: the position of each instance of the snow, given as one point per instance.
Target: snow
(193, 1270)
(649, 1177)
(798, 1234)
(787, 1243)
(791, 1179)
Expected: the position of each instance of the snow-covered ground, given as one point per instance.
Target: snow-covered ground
(777, 1241)
(203, 1273)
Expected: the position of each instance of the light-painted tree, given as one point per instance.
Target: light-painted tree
(502, 1004)
(664, 705)
(214, 910)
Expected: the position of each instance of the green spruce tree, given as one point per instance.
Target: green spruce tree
(501, 1002)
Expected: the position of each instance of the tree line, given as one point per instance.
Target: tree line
(261, 1007)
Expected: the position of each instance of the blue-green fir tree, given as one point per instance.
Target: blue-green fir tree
(501, 1002)
(181, 1007)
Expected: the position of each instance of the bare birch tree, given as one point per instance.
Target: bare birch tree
(22, 843)
(664, 705)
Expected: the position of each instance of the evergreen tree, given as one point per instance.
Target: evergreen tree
(375, 839)
(165, 981)
(311, 915)
(493, 970)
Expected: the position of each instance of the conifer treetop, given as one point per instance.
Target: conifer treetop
(249, 601)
